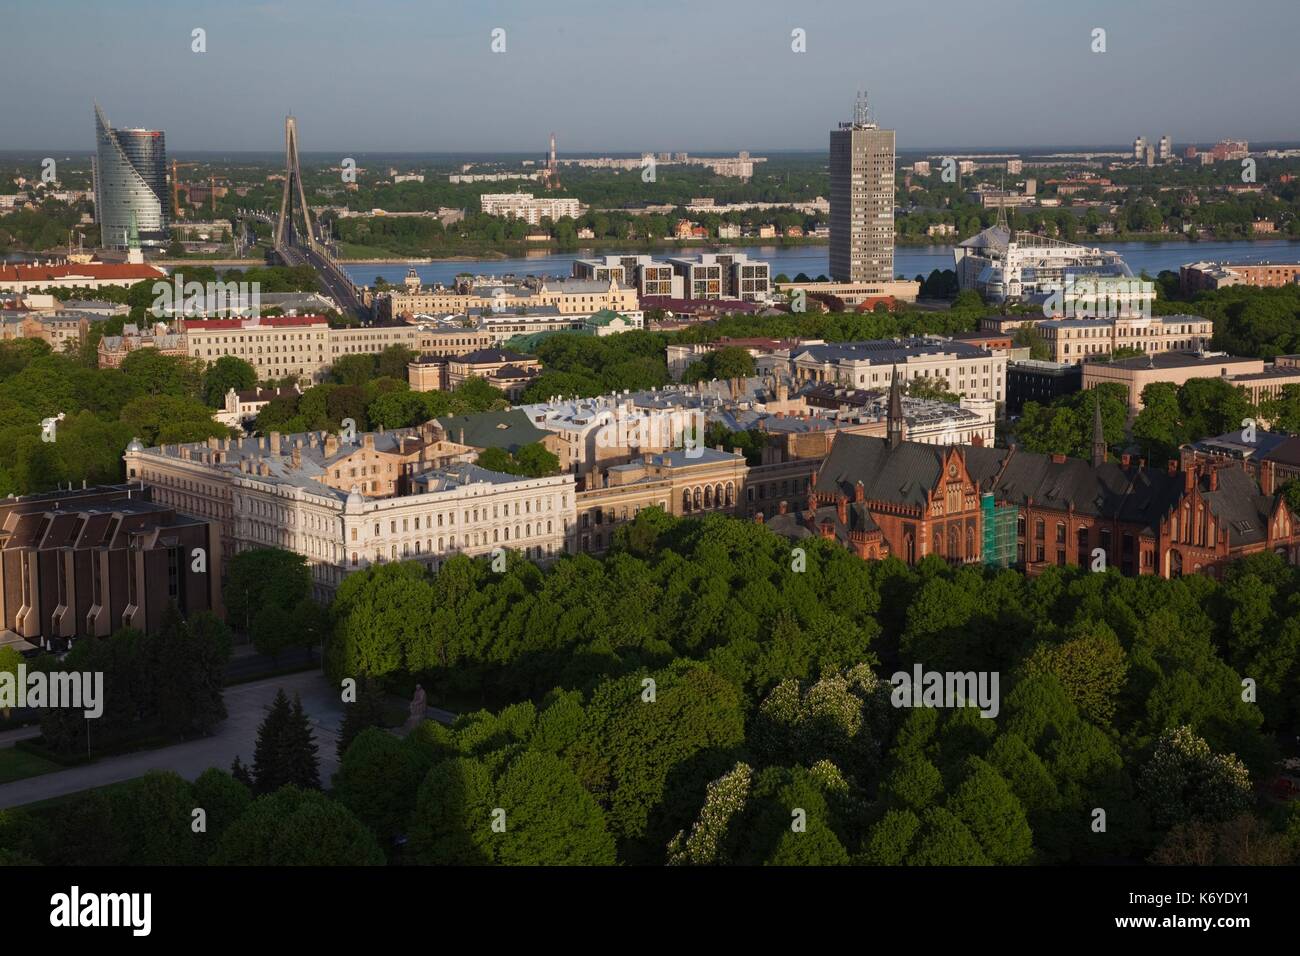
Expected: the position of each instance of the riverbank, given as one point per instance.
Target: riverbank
(813, 260)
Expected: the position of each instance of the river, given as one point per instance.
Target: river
(812, 260)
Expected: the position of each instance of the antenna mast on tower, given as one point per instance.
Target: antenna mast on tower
(552, 168)
(862, 110)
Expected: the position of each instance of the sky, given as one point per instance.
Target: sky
(630, 75)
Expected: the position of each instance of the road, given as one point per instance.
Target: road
(337, 286)
(247, 705)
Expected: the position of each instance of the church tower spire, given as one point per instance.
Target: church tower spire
(1098, 435)
(894, 421)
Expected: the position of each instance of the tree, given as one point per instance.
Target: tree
(945, 841)
(1159, 425)
(270, 769)
(274, 629)
(191, 666)
(1185, 781)
(933, 389)
(297, 827)
(355, 369)
(9, 661)
(223, 798)
(549, 819)
(366, 711)
(154, 815)
(453, 815)
(226, 373)
(1028, 336)
(723, 803)
(392, 362)
(1091, 668)
(378, 780)
(286, 749)
(264, 578)
(1213, 406)
(532, 461)
(479, 396)
(303, 765)
(630, 748)
(986, 805)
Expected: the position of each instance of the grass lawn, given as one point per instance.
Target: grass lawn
(17, 764)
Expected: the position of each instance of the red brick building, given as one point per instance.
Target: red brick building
(886, 496)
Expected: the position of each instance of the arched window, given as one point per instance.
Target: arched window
(686, 499)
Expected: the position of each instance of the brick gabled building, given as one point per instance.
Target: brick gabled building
(886, 496)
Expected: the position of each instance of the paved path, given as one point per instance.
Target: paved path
(11, 737)
(246, 704)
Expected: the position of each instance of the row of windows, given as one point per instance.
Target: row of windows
(412, 549)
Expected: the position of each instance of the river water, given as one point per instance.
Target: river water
(909, 261)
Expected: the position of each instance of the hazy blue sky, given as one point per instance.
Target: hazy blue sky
(623, 75)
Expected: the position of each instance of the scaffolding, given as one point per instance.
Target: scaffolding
(999, 523)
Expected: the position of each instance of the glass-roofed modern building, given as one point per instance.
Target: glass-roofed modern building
(130, 184)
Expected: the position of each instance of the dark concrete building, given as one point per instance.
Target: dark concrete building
(1030, 380)
(85, 563)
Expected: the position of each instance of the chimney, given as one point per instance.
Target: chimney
(1214, 479)
(1267, 478)
(297, 456)
(1189, 480)
(842, 509)
(859, 492)
(331, 445)
(275, 443)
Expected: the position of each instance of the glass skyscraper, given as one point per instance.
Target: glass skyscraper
(130, 184)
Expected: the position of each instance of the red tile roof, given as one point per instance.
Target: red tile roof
(93, 270)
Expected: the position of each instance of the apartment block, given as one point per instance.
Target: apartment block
(862, 201)
(723, 276)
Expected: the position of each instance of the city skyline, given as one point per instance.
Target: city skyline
(1039, 62)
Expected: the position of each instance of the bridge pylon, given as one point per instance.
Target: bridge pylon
(284, 227)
